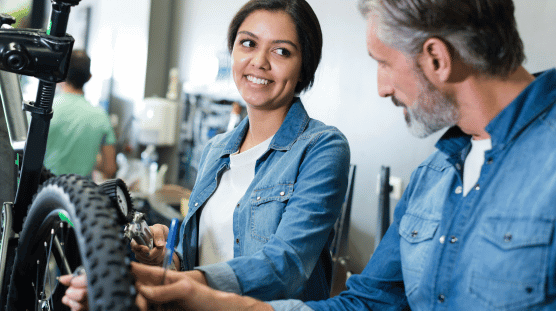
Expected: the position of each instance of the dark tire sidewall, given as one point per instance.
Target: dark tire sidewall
(101, 244)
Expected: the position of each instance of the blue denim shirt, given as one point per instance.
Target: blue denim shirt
(284, 222)
(493, 249)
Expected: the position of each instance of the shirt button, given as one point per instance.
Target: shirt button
(196, 204)
(490, 160)
(441, 298)
(258, 198)
(442, 239)
(477, 187)
(237, 206)
(507, 237)
(453, 239)
(237, 241)
(282, 193)
(459, 190)
(458, 166)
(529, 290)
(414, 233)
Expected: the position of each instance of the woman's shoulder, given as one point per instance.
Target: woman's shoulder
(220, 140)
(318, 128)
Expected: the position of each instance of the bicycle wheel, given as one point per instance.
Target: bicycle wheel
(70, 224)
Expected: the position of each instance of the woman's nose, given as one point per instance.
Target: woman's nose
(260, 60)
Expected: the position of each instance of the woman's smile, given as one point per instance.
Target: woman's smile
(267, 60)
(258, 81)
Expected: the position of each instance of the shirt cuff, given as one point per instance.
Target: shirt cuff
(290, 304)
(221, 276)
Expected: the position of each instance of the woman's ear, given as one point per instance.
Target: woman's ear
(436, 60)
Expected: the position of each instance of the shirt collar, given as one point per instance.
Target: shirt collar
(526, 107)
(536, 98)
(294, 124)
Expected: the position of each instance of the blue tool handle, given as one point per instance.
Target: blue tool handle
(171, 242)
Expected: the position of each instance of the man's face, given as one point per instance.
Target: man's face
(426, 108)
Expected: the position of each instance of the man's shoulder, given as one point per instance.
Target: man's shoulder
(435, 161)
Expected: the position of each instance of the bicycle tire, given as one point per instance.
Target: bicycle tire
(90, 226)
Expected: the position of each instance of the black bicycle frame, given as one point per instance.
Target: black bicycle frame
(44, 55)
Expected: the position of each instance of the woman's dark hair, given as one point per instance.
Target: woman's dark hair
(79, 70)
(308, 32)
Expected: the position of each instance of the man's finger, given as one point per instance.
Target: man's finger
(168, 293)
(141, 303)
(77, 294)
(79, 281)
(146, 274)
(66, 279)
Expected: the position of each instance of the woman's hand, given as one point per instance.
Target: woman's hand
(181, 292)
(155, 256)
(76, 294)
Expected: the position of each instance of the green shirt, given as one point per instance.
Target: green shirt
(77, 132)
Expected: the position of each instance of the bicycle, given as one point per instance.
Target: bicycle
(57, 224)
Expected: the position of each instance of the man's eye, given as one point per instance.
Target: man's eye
(283, 52)
(247, 43)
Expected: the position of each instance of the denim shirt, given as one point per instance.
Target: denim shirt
(493, 249)
(284, 222)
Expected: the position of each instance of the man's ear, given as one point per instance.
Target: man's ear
(436, 60)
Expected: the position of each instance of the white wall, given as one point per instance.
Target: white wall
(345, 95)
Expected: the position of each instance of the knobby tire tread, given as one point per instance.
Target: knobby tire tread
(100, 241)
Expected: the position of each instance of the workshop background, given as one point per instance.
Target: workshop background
(135, 44)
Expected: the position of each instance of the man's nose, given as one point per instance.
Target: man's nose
(384, 84)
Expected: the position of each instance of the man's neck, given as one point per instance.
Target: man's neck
(68, 88)
(482, 98)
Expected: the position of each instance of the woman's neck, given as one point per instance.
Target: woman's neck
(262, 125)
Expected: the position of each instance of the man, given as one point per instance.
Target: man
(78, 131)
(474, 229)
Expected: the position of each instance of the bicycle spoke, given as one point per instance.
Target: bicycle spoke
(64, 236)
(47, 266)
(60, 257)
(37, 298)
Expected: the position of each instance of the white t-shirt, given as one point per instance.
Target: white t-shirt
(474, 162)
(216, 231)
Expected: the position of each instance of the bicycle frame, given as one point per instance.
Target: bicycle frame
(44, 55)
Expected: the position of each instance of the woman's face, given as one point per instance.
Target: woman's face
(267, 59)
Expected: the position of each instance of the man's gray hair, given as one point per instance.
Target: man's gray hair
(482, 32)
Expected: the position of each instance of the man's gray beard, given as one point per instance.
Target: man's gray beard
(432, 111)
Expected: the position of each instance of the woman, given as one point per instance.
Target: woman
(268, 193)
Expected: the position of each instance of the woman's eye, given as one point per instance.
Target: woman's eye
(283, 52)
(247, 43)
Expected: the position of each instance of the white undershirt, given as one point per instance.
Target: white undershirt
(473, 163)
(216, 232)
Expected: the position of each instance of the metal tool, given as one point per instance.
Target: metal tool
(139, 230)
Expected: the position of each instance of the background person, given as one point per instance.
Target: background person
(79, 131)
(474, 229)
(268, 193)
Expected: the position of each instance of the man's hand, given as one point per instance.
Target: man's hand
(76, 294)
(181, 292)
(155, 256)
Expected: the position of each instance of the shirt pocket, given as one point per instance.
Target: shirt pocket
(510, 265)
(267, 206)
(415, 248)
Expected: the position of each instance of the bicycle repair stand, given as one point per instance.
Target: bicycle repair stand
(46, 56)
